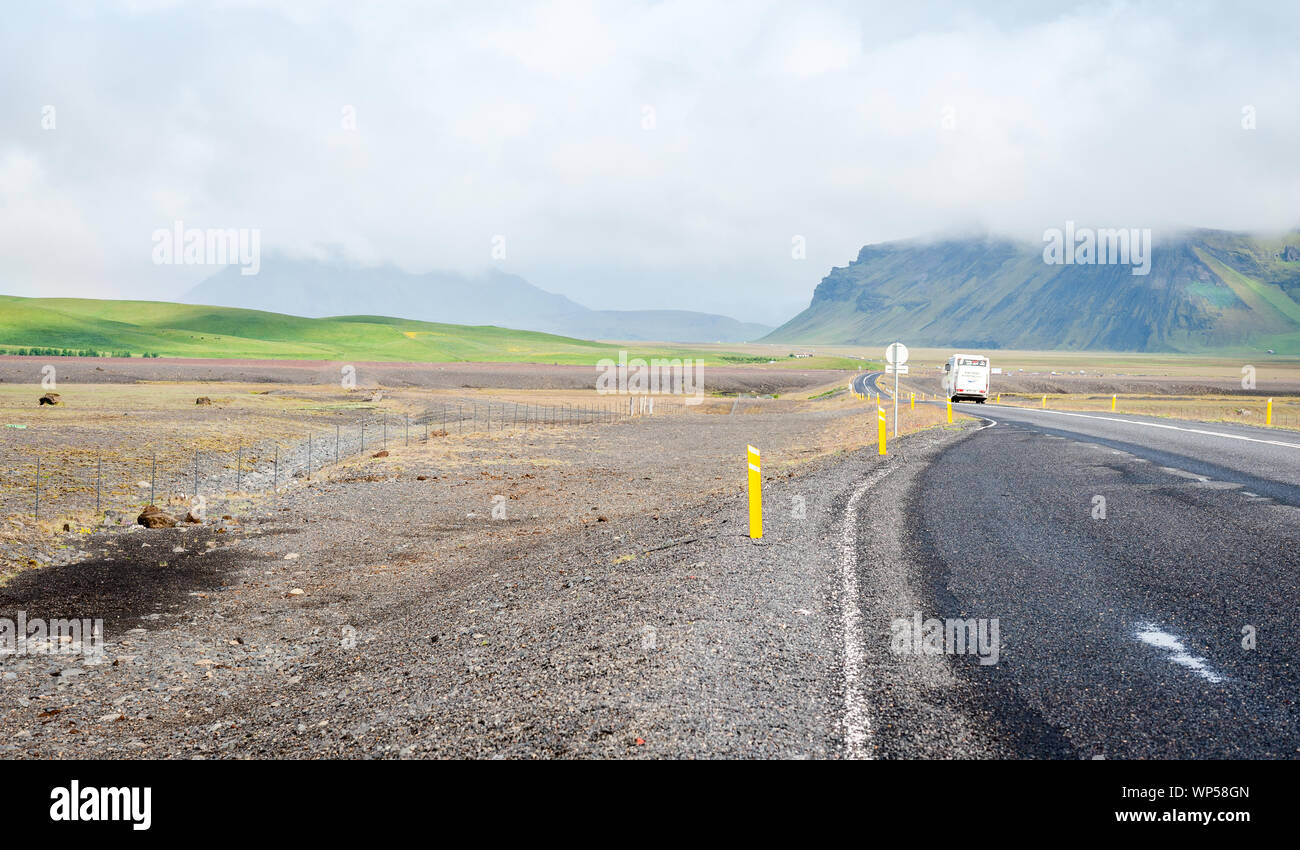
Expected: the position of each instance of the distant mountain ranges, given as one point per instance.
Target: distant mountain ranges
(1205, 289)
(317, 289)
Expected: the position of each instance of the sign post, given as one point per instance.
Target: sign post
(895, 361)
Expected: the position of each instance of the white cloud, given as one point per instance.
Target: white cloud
(819, 119)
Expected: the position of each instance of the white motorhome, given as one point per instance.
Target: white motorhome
(966, 378)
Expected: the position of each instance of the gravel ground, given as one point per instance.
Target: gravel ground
(542, 376)
(619, 608)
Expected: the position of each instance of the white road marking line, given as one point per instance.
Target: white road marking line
(1154, 636)
(857, 720)
(1182, 473)
(1161, 425)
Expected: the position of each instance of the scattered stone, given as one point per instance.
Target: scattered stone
(297, 591)
(152, 517)
(204, 400)
(381, 453)
(191, 518)
(48, 398)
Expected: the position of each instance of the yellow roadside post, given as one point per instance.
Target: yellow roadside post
(1044, 402)
(1112, 403)
(912, 398)
(999, 398)
(755, 495)
(1268, 414)
(880, 420)
(949, 411)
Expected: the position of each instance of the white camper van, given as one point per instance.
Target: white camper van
(966, 377)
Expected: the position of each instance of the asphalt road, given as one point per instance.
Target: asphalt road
(1124, 632)
(870, 382)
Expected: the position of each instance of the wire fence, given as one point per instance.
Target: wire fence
(113, 485)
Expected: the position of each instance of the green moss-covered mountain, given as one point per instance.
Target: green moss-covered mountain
(1206, 290)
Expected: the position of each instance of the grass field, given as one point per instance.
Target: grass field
(186, 330)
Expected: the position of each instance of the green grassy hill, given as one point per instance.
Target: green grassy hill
(185, 330)
(1207, 291)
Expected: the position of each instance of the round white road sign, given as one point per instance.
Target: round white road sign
(896, 354)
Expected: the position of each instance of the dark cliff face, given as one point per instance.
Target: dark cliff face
(1205, 289)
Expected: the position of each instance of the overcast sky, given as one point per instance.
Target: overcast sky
(632, 155)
